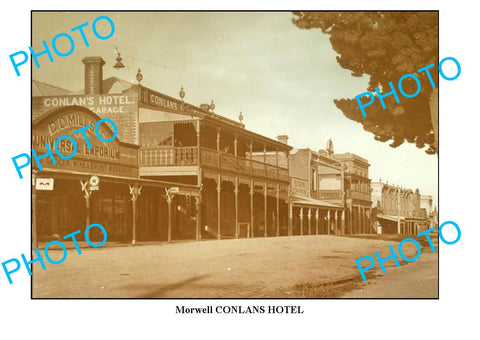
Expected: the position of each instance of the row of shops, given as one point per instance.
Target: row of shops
(178, 171)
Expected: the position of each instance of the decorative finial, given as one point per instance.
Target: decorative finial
(119, 63)
(212, 106)
(139, 75)
(240, 117)
(181, 93)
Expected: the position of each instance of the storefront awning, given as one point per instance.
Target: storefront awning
(416, 219)
(184, 189)
(313, 203)
(391, 217)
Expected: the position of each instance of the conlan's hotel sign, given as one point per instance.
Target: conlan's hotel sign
(99, 104)
(150, 98)
(113, 158)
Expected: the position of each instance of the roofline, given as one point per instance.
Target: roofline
(204, 112)
(353, 156)
(55, 86)
(256, 135)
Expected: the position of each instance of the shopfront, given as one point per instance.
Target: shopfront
(100, 184)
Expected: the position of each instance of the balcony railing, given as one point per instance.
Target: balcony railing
(353, 194)
(189, 156)
(168, 156)
(330, 195)
(242, 165)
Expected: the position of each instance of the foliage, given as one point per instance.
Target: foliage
(385, 46)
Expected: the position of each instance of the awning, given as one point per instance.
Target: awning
(391, 217)
(190, 189)
(416, 219)
(313, 203)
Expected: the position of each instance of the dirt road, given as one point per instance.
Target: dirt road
(243, 268)
(418, 279)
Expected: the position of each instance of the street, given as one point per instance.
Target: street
(239, 268)
(418, 279)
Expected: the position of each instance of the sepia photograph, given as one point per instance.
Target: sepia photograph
(234, 154)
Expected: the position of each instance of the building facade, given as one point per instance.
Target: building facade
(101, 183)
(172, 164)
(309, 214)
(398, 209)
(426, 202)
(337, 188)
(178, 171)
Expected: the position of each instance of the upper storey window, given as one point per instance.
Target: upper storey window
(156, 134)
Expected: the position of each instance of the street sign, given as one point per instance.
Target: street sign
(174, 190)
(94, 183)
(44, 184)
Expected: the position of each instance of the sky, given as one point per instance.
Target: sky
(282, 78)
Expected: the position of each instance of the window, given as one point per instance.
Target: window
(156, 134)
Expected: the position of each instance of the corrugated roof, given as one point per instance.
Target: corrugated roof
(40, 89)
(302, 200)
(115, 85)
(391, 217)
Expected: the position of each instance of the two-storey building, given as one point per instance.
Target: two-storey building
(101, 183)
(398, 209)
(357, 190)
(329, 190)
(189, 172)
(309, 213)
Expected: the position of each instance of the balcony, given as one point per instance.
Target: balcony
(188, 156)
(227, 161)
(330, 195)
(151, 156)
(353, 194)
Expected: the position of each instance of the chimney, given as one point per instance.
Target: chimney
(283, 139)
(93, 75)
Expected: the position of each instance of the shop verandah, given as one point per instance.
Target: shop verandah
(234, 207)
(401, 225)
(243, 194)
(315, 217)
(130, 209)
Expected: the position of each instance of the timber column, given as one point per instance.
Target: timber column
(278, 193)
(198, 199)
(301, 221)
(135, 192)
(251, 191)
(198, 206)
(169, 202)
(219, 183)
(219, 221)
(235, 189)
(87, 193)
(350, 219)
(290, 219)
(251, 209)
(328, 222)
(236, 207)
(309, 221)
(278, 209)
(265, 194)
(336, 222)
(362, 220)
